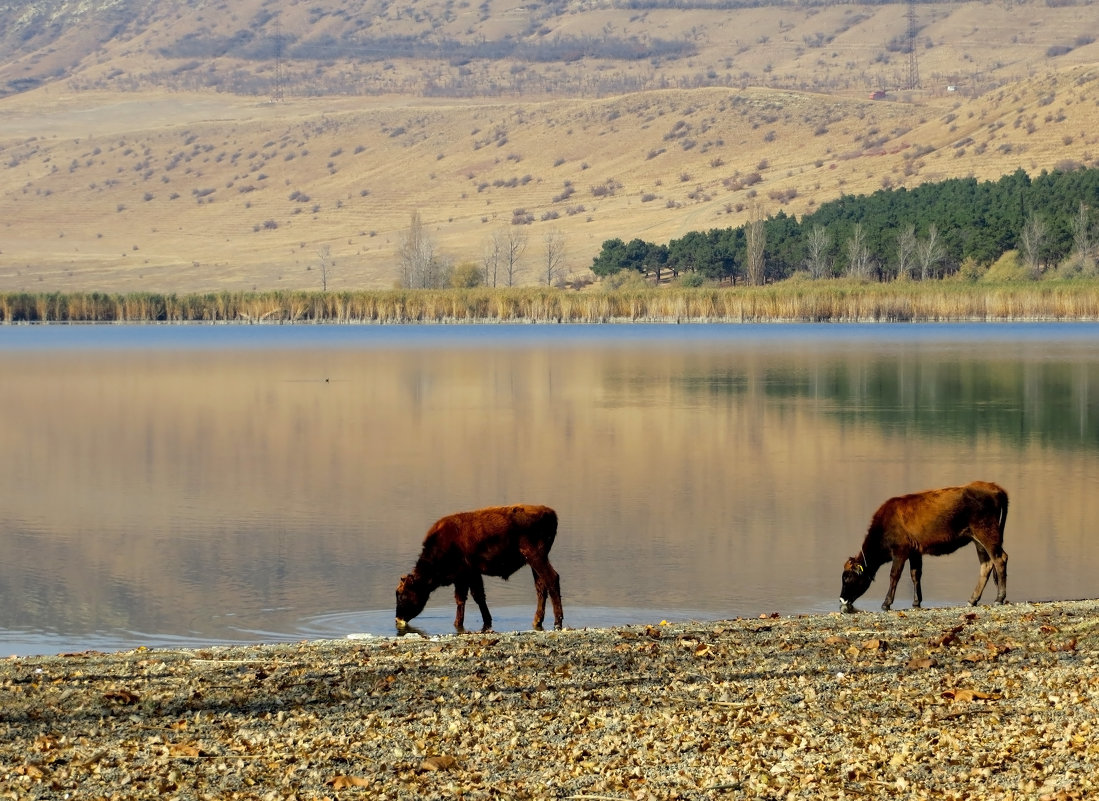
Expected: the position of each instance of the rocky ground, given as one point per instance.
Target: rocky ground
(944, 703)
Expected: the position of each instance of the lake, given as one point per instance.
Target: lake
(193, 485)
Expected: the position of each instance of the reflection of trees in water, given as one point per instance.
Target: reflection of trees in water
(1048, 401)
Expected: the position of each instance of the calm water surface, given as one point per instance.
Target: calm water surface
(202, 484)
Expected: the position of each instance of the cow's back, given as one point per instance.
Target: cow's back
(936, 522)
(491, 540)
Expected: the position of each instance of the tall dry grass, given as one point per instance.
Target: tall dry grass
(795, 301)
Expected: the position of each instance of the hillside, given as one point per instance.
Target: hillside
(146, 147)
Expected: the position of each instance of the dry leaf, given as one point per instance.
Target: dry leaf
(342, 782)
(30, 771)
(1067, 645)
(184, 750)
(966, 695)
(122, 696)
(441, 762)
(948, 637)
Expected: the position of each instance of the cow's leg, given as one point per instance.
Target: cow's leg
(894, 577)
(546, 582)
(915, 562)
(999, 567)
(477, 587)
(554, 584)
(461, 590)
(541, 591)
(982, 576)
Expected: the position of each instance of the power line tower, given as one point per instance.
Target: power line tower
(913, 81)
(276, 95)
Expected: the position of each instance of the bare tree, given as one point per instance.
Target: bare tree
(420, 265)
(1083, 242)
(553, 257)
(906, 250)
(859, 261)
(513, 243)
(756, 236)
(1031, 240)
(816, 255)
(929, 252)
(324, 254)
(490, 262)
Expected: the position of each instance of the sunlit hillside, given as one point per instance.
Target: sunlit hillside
(208, 146)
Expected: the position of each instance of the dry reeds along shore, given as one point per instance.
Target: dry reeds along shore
(994, 702)
(795, 301)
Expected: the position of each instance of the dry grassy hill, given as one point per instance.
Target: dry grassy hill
(140, 148)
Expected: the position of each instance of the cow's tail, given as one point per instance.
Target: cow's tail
(1001, 502)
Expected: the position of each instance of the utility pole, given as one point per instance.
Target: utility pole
(913, 81)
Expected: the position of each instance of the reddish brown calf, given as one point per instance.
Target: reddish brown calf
(461, 548)
(934, 523)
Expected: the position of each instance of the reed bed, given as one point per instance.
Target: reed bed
(800, 301)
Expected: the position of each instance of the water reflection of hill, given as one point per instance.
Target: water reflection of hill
(206, 492)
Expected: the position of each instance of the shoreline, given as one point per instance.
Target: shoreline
(957, 702)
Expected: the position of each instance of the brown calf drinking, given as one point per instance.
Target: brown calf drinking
(461, 548)
(932, 523)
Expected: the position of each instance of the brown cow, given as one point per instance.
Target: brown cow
(461, 548)
(934, 522)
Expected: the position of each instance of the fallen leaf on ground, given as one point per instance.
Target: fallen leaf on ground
(122, 696)
(442, 762)
(342, 782)
(964, 695)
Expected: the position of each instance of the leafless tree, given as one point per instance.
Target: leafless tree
(816, 257)
(509, 244)
(906, 250)
(929, 252)
(756, 236)
(859, 261)
(420, 265)
(553, 257)
(324, 254)
(1031, 240)
(1083, 241)
(490, 262)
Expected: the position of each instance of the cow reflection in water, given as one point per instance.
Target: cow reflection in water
(461, 548)
(931, 523)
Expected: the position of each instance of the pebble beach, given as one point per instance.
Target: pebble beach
(950, 703)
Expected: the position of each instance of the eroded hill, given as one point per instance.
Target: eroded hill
(152, 155)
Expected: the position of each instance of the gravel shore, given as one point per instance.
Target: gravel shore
(991, 702)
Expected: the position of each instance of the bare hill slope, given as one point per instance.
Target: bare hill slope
(151, 156)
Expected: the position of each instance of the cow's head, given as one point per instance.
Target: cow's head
(856, 580)
(411, 599)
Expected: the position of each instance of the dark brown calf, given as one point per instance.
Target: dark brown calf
(461, 548)
(934, 523)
